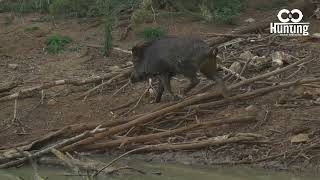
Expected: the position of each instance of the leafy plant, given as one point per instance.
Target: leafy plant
(57, 43)
(151, 33)
(225, 11)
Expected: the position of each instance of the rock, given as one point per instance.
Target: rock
(13, 66)
(129, 63)
(247, 55)
(235, 67)
(318, 100)
(279, 58)
(251, 108)
(300, 138)
(259, 60)
(52, 102)
(249, 20)
(114, 68)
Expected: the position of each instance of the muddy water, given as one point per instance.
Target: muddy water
(157, 171)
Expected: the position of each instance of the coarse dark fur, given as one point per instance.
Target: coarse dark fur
(170, 56)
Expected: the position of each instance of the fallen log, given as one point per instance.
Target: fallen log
(48, 149)
(28, 92)
(254, 93)
(155, 136)
(198, 144)
(189, 101)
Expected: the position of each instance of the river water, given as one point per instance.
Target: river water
(161, 171)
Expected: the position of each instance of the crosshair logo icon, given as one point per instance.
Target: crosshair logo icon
(290, 16)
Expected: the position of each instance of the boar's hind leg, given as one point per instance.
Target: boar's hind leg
(165, 83)
(211, 73)
(222, 86)
(193, 81)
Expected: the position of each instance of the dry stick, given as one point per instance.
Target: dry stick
(33, 164)
(146, 138)
(290, 153)
(123, 74)
(189, 101)
(232, 72)
(9, 86)
(124, 105)
(76, 82)
(131, 109)
(121, 88)
(48, 149)
(243, 69)
(116, 159)
(198, 144)
(255, 93)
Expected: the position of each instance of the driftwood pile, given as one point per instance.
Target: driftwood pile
(150, 131)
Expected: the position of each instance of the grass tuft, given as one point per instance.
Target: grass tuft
(57, 43)
(151, 33)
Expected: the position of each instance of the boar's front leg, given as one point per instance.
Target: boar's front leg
(166, 85)
(159, 92)
(194, 81)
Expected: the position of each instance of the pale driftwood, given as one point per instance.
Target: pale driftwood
(187, 102)
(115, 48)
(28, 92)
(48, 149)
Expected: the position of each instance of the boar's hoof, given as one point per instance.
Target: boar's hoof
(176, 97)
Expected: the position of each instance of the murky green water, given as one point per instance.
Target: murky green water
(168, 172)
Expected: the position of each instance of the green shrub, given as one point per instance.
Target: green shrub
(271, 4)
(225, 11)
(141, 16)
(57, 43)
(151, 33)
(107, 45)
